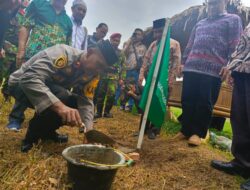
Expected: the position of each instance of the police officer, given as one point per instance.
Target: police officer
(45, 82)
(109, 81)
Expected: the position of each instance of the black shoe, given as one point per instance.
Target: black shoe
(58, 138)
(151, 135)
(156, 130)
(245, 185)
(26, 146)
(231, 168)
(108, 115)
(61, 138)
(97, 115)
(128, 108)
(81, 130)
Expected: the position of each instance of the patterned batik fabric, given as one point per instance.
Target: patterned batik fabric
(241, 57)
(174, 60)
(47, 27)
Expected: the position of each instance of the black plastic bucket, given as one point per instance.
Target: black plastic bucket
(92, 167)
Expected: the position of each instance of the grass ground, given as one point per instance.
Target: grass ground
(165, 164)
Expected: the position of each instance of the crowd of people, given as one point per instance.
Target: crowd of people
(50, 63)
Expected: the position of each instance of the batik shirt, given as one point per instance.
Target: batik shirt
(47, 27)
(174, 59)
(241, 57)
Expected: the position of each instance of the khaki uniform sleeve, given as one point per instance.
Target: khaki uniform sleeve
(42, 71)
(86, 110)
(85, 103)
(33, 83)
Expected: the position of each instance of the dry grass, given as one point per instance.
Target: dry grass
(164, 164)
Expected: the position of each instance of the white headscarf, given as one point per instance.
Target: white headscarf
(79, 2)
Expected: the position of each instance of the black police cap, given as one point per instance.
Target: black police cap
(160, 23)
(108, 52)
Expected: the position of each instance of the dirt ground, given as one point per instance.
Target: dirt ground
(165, 164)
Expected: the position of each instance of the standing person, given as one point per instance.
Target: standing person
(212, 42)
(134, 51)
(174, 63)
(239, 69)
(175, 54)
(44, 25)
(109, 81)
(99, 35)
(8, 10)
(80, 32)
(44, 83)
(10, 47)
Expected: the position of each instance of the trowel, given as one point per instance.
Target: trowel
(96, 137)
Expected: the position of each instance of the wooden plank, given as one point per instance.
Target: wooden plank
(222, 107)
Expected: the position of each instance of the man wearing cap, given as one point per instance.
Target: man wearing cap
(174, 62)
(45, 24)
(80, 32)
(44, 83)
(109, 81)
(175, 53)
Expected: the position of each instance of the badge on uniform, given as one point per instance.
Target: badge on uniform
(60, 62)
(89, 89)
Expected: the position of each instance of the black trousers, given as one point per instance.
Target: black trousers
(240, 119)
(44, 125)
(217, 123)
(199, 94)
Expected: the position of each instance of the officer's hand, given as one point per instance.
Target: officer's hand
(69, 115)
(225, 74)
(20, 57)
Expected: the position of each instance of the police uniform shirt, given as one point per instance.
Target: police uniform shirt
(56, 65)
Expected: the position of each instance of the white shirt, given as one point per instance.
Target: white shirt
(79, 36)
